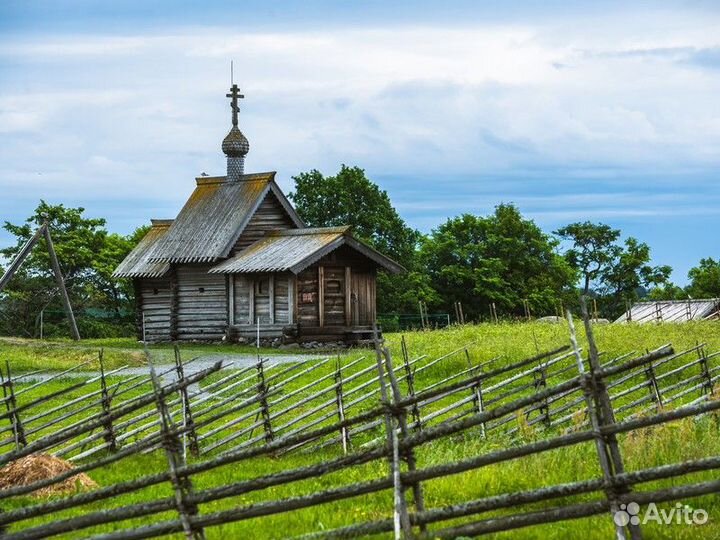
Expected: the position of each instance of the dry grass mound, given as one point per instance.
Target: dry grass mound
(36, 467)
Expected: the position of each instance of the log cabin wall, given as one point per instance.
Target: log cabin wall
(155, 302)
(270, 216)
(267, 296)
(202, 306)
(337, 291)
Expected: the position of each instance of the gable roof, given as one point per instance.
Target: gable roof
(295, 249)
(214, 217)
(137, 263)
(672, 310)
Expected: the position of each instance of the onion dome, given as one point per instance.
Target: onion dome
(235, 144)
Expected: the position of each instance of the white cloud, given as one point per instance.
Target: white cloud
(140, 115)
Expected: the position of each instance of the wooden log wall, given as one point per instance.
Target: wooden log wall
(202, 309)
(334, 295)
(337, 291)
(276, 299)
(155, 303)
(269, 216)
(307, 297)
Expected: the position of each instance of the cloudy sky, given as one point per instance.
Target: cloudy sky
(596, 110)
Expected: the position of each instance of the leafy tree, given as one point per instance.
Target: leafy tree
(630, 274)
(705, 279)
(618, 272)
(87, 255)
(350, 198)
(502, 258)
(594, 251)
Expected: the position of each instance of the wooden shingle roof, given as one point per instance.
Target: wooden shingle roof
(137, 264)
(214, 216)
(296, 249)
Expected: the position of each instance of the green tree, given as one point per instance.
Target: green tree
(593, 252)
(630, 274)
(350, 198)
(502, 258)
(705, 279)
(617, 272)
(87, 254)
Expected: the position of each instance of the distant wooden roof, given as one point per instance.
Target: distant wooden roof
(296, 249)
(137, 263)
(214, 217)
(672, 310)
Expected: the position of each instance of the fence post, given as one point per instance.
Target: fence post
(264, 406)
(105, 402)
(410, 380)
(344, 432)
(540, 382)
(182, 485)
(478, 402)
(707, 387)
(188, 422)
(606, 415)
(11, 405)
(653, 386)
(600, 443)
(401, 519)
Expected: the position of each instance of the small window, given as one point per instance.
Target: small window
(262, 286)
(307, 298)
(201, 289)
(155, 291)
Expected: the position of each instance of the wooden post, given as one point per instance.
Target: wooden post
(606, 415)
(182, 485)
(11, 405)
(262, 389)
(271, 292)
(321, 296)
(344, 433)
(188, 422)
(410, 381)
(462, 315)
(401, 518)
(139, 314)
(348, 296)
(105, 402)
(16, 263)
(174, 302)
(600, 442)
(61, 283)
(705, 373)
(540, 383)
(478, 402)
(231, 300)
(653, 386)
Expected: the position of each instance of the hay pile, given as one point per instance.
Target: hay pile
(36, 467)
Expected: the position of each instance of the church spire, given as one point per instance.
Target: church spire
(235, 145)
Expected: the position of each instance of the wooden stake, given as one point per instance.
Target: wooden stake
(61, 283)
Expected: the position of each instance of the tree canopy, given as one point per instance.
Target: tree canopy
(616, 272)
(502, 258)
(87, 254)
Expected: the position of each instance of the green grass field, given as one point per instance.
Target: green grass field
(669, 443)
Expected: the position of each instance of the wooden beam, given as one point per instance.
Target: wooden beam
(321, 296)
(271, 292)
(348, 293)
(21, 256)
(174, 302)
(61, 284)
(231, 299)
(251, 306)
(291, 299)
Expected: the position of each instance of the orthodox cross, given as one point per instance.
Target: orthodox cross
(234, 95)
